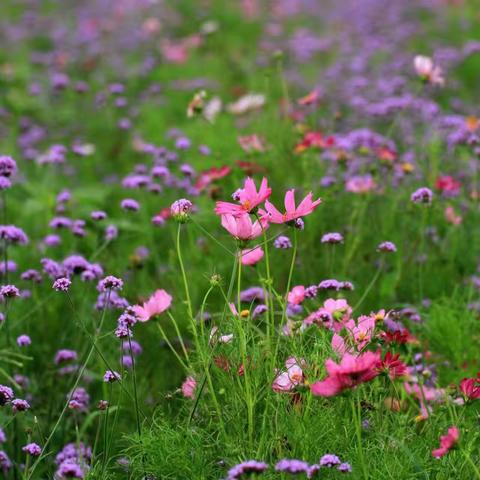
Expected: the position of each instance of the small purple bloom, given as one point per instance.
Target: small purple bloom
(250, 466)
(24, 341)
(62, 284)
(110, 283)
(130, 205)
(282, 242)
(111, 376)
(332, 238)
(20, 405)
(387, 247)
(32, 449)
(292, 466)
(329, 460)
(422, 195)
(6, 395)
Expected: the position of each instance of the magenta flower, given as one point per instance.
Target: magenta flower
(248, 197)
(241, 227)
(155, 305)
(447, 442)
(292, 212)
(352, 371)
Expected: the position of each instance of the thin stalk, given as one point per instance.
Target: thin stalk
(184, 275)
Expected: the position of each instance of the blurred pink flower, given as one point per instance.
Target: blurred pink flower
(252, 256)
(155, 305)
(452, 217)
(424, 395)
(292, 212)
(251, 143)
(360, 184)
(447, 442)
(428, 71)
(188, 387)
(242, 227)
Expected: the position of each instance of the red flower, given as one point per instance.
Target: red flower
(392, 365)
(250, 168)
(398, 337)
(208, 176)
(446, 183)
(470, 387)
(447, 442)
(314, 140)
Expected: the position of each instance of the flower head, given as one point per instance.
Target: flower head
(248, 197)
(422, 195)
(251, 256)
(188, 387)
(447, 442)
(32, 449)
(292, 212)
(6, 395)
(110, 283)
(250, 466)
(24, 341)
(428, 71)
(287, 380)
(111, 376)
(470, 387)
(155, 305)
(20, 405)
(62, 284)
(292, 466)
(180, 209)
(352, 371)
(241, 227)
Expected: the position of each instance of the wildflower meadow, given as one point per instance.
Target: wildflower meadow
(239, 239)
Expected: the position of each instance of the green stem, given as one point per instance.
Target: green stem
(184, 276)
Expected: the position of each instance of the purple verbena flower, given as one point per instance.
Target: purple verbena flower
(32, 449)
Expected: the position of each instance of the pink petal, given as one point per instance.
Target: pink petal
(329, 387)
(290, 201)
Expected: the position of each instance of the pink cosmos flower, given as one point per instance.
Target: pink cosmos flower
(289, 379)
(216, 336)
(428, 71)
(359, 333)
(252, 256)
(251, 143)
(352, 371)
(447, 442)
(155, 305)
(334, 314)
(292, 212)
(248, 197)
(242, 227)
(451, 216)
(360, 184)
(424, 395)
(188, 387)
(296, 295)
